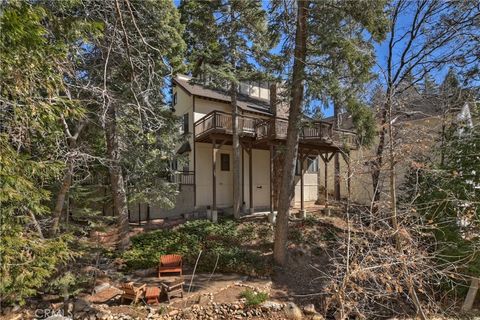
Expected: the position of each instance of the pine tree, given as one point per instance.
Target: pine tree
(139, 48)
(326, 29)
(32, 84)
(226, 54)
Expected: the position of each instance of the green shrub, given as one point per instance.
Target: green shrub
(254, 298)
(223, 241)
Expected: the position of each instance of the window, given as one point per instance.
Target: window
(174, 100)
(312, 164)
(185, 123)
(225, 162)
(174, 164)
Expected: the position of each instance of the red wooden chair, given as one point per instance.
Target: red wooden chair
(130, 292)
(170, 263)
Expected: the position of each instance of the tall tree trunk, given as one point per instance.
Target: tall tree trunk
(336, 160)
(67, 176)
(294, 122)
(119, 196)
(378, 161)
(62, 193)
(393, 190)
(236, 152)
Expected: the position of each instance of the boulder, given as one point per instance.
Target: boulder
(293, 312)
(271, 305)
(81, 305)
(309, 309)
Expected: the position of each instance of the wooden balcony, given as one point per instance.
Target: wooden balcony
(221, 123)
(312, 132)
(315, 132)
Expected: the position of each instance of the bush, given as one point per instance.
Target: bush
(223, 241)
(254, 298)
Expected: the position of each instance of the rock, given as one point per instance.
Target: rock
(317, 317)
(80, 305)
(271, 305)
(309, 309)
(101, 287)
(203, 299)
(293, 312)
(173, 313)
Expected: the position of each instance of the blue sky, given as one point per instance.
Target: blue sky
(381, 50)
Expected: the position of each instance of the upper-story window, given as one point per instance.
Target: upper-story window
(174, 99)
(185, 124)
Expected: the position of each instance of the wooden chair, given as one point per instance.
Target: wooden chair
(173, 288)
(170, 263)
(130, 292)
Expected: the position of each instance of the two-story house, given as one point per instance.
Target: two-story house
(206, 178)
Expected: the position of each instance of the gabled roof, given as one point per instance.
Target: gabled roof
(244, 102)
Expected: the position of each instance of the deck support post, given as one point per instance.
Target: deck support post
(271, 178)
(346, 157)
(148, 213)
(336, 177)
(214, 177)
(139, 214)
(326, 159)
(302, 186)
(250, 178)
(243, 179)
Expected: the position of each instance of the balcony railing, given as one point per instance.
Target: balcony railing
(277, 129)
(274, 128)
(219, 121)
(184, 177)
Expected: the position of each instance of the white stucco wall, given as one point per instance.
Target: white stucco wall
(261, 178)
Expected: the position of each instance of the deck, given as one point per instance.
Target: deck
(315, 133)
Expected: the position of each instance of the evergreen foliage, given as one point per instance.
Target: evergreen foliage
(447, 196)
(33, 100)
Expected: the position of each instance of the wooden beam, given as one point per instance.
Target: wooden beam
(302, 184)
(243, 174)
(139, 214)
(271, 177)
(214, 176)
(326, 159)
(346, 158)
(194, 158)
(250, 178)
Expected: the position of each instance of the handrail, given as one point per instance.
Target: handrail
(184, 177)
(274, 128)
(223, 120)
